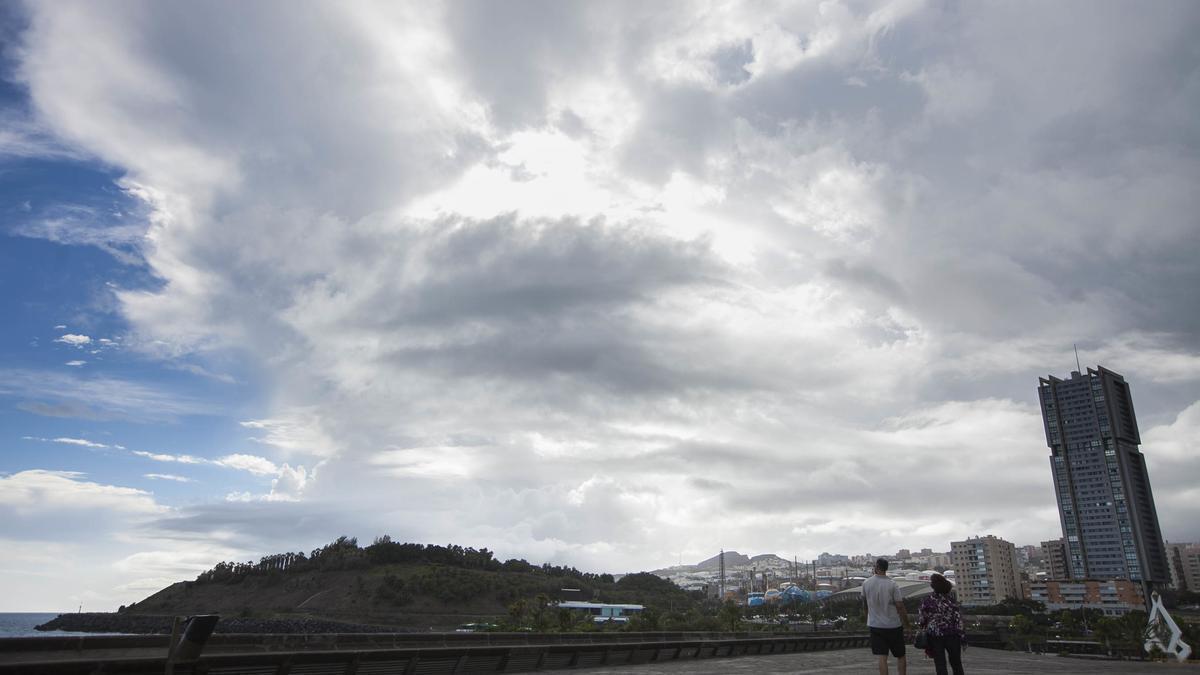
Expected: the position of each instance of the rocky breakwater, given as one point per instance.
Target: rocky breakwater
(148, 624)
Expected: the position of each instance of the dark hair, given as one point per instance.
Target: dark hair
(941, 585)
(881, 564)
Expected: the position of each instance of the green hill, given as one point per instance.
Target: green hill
(403, 585)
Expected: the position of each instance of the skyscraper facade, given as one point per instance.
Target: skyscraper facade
(1105, 505)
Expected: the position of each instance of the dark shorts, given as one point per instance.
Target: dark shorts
(884, 640)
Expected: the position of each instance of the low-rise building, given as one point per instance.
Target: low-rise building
(602, 612)
(1113, 597)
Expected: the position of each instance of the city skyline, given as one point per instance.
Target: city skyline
(597, 284)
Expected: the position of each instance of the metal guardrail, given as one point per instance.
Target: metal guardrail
(435, 660)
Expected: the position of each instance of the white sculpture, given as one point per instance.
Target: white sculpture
(1161, 625)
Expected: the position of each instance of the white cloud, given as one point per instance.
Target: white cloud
(162, 457)
(120, 234)
(204, 372)
(296, 432)
(260, 466)
(75, 364)
(74, 340)
(21, 136)
(661, 279)
(59, 394)
(168, 476)
(54, 519)
(288, 484)
(1170, 451)
(65, 440)
(39, 491)
(79, 441)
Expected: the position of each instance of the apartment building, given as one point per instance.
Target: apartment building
(1113, 597)
(1054, 557)
(985, 569)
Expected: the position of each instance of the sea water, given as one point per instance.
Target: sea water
(20, 624)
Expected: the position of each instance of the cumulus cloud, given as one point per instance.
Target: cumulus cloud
(297, 431)
(661, 279)
(256, 465)
(54, 519)
(40, 493)
(74, 340)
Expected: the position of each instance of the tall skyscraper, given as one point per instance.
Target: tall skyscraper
(1105, 504)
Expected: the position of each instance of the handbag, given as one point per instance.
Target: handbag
(921, 641)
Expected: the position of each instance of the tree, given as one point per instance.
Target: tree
(1068, 623)
(1133, 630)
(541, 613)
(1108, 631)
(1022, 628)
(517, 613)
(731, 615)
(647, 620)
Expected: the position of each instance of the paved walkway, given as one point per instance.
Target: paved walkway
(855, 661)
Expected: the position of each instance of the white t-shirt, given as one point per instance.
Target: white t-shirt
(881, 594)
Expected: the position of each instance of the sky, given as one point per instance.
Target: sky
(612, 285)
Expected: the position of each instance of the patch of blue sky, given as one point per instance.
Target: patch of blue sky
(69, 239)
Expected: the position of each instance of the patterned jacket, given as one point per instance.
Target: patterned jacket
(940, 616)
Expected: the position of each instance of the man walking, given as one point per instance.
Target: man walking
(886, 618)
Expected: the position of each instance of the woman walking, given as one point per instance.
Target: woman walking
(943, 626)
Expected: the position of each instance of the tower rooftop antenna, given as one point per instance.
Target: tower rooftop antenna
(1078, 368)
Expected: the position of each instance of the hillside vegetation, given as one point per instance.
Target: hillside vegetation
(406, 585)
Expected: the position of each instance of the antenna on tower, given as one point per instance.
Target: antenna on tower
(1078, 368)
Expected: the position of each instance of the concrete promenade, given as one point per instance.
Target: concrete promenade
(859, 661)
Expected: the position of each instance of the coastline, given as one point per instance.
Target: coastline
(150, 624)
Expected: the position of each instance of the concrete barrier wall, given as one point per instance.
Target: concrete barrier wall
(477, 654)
